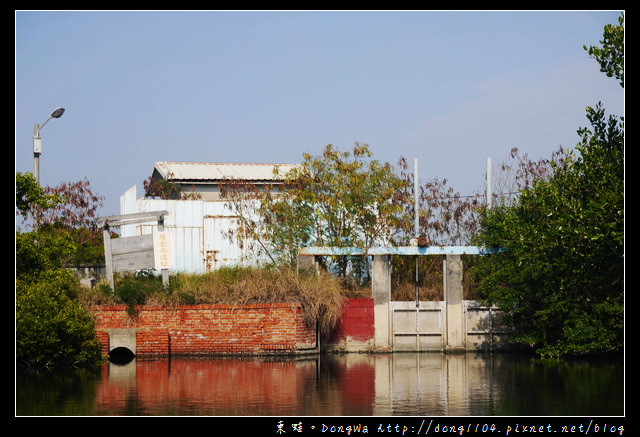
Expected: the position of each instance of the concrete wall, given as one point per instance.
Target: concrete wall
(418, 328)
(355, 329)
(89, 274)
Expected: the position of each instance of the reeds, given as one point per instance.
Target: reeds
(321, 296)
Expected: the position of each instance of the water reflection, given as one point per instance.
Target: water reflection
(332, 385)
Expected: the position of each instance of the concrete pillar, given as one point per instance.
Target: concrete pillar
(308, 265)
(381, 289)
(455, 334)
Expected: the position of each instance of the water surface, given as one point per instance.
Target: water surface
(400, 384)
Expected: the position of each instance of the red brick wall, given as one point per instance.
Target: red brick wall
(104, 339)
(189, 330)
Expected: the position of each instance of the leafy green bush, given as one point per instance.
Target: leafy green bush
(134, 289)
(41, 250)
(52, 328)
(561, 276)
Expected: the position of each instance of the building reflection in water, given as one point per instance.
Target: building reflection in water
(349, 384)
(354, 385)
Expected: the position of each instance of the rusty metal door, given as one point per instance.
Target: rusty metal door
(218, 249)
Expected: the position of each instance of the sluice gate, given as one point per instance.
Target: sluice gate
(450, 325)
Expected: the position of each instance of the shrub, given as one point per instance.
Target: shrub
(52, 328)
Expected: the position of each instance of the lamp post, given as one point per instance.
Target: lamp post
(37, 142)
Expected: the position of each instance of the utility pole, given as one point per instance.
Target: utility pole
(37, 151)
(37, 142)
(416, 188)
(489, 194)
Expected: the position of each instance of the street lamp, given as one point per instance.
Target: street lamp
(37, 142)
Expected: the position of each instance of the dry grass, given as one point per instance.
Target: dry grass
(406, 291)
(320, 295)
(431, 279)
(431, 291)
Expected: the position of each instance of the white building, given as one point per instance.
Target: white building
(198, 226)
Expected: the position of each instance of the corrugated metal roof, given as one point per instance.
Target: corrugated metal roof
(212, 171)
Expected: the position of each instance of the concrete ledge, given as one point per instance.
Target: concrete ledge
(399, 250)
(125, 337)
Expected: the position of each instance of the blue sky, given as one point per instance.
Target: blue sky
(448, 88)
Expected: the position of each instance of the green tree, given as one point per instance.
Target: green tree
(339, 198)
(40, 249)
(30, 196)
(610, 55)
(66, 213)
(561, 277)
(52, 328)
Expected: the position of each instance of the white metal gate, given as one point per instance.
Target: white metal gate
(417, 328)
(486, 327)
(423, 328)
